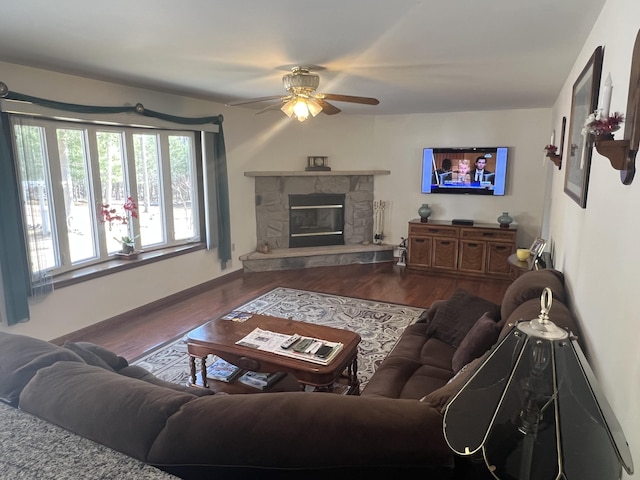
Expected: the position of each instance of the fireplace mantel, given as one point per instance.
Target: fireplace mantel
(317, 173)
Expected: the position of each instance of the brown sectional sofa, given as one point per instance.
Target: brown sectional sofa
(394, 426)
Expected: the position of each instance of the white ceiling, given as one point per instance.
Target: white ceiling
(415, 56)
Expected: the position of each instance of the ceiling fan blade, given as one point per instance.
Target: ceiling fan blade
(275, 106)
(327, 108)
(254, 100)
(350, 98)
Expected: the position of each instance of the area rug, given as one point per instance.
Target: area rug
(379, 324)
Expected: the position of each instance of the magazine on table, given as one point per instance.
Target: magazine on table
(223, 371)
(260, 380)
(237, 316)
(308, 349)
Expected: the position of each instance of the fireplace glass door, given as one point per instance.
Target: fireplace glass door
(316, 220)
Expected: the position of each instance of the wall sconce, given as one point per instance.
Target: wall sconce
(622, 153)
(534, 410)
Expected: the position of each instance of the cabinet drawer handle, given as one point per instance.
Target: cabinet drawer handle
(419, 240)
(473, 244)
(487, 234)
(501, 248)
(445, 243)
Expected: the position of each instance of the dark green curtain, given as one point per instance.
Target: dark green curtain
(13, 251)
(13, 248)
(222, 195)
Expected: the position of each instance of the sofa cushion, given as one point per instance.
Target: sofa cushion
(89, 357)
(136, 371)
(22, 357)
(427, 315)
(477, 341)
(416, 366)
(112, 359)
(440, 397)
(529, 286)
(120, 412)
(454, 317)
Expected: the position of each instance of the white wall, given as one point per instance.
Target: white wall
(271, 141)
(595, 247)
(399, 141)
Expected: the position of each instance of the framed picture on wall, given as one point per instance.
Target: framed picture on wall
(584, 101)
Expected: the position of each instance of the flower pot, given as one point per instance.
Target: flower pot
(126, 248)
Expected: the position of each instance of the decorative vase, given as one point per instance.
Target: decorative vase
(505, 220)
(425, 212)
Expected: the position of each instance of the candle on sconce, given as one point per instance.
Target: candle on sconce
(552, 142)
(606, 97)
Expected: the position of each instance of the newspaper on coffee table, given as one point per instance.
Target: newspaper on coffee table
(272, 342)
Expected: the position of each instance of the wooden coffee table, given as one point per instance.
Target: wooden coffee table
(219, 337)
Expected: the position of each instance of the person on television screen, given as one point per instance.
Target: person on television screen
(480, 174)
(462, 174)
(443, 173)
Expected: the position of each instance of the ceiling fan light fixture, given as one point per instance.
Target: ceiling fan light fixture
(314, 107)
(301, 107)
(287, 108)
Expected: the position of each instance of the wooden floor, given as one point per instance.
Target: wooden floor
(132, 334)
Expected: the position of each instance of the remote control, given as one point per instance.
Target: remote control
(290, 341)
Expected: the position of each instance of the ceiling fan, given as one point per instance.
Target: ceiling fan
(303, 99)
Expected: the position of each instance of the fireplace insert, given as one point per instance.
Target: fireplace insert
(316, 220)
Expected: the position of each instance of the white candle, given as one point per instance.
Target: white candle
(606, 97)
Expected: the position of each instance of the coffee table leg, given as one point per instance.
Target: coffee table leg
(352, 372)
(203, 371)
(192, 369)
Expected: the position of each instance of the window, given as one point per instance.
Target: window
(68, 170)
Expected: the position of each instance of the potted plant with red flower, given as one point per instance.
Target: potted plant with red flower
(111, 216)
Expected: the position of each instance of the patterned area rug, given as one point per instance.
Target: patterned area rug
(379, 324)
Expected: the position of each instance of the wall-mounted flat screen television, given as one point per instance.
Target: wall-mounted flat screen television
(473, 170)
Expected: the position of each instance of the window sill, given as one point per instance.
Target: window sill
(119, 264)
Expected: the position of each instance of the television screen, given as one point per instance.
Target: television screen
(474, 170)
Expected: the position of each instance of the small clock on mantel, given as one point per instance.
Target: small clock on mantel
(318, 164)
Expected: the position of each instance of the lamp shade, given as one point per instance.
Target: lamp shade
(301, 107)
(533, 410)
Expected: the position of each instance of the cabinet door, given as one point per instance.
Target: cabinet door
(472, 256)
(498, 257)
(419, 254)
(445, 253)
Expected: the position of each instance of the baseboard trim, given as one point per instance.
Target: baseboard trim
(149, 307)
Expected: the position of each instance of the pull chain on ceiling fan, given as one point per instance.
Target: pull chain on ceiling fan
(303, 98)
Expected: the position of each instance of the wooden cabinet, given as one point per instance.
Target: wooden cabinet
(432, 246)
(479, 250)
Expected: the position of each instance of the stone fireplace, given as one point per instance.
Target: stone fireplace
(287, 217)
(272, 205)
